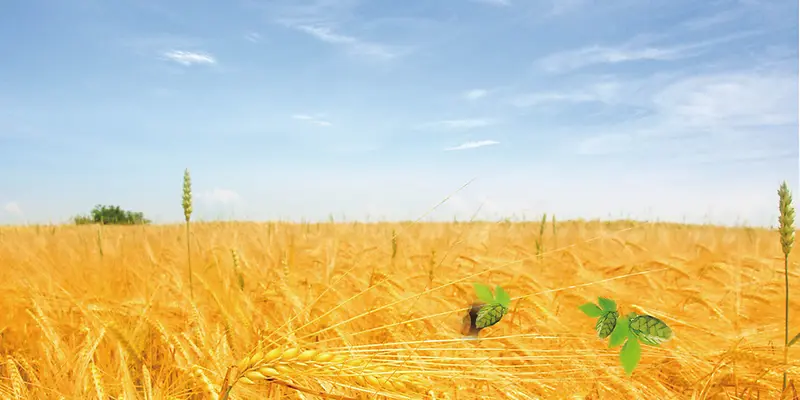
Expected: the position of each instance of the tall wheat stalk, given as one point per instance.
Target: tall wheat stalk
(394, 244)
(540, 239)
(786, 229)
(187, 214)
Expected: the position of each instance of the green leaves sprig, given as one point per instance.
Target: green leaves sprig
(627, 331)
(496, 305)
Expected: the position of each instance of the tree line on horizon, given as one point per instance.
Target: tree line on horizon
(110, 215)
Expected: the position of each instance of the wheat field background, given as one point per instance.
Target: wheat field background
(107, 311)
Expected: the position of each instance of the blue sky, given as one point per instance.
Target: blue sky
(677, 110)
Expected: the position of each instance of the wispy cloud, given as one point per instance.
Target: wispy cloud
(719, 18)
(607, 90)
(472, 145)
(591, 55)
(560, 7)
(188, 58)
(534, 99)
(731, 100)
(158, 44)
(351, 43)
(722, 116)
(575, 59)
(459, 124)
(475, 94)
(253, 37)
(496, 3)
(220, 196)
(13, 208)
(312, 119)
(340, 23)
(604, 143)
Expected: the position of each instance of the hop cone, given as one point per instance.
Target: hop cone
(650, 330)
(489, 315)
(606, 324)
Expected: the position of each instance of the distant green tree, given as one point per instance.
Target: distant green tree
(111, 215)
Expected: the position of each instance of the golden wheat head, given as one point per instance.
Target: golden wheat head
(786, 219)
(279, 365)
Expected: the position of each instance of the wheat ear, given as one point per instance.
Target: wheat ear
(17, 384)
(278, 365)
(98, 382)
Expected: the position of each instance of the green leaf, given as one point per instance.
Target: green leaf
(794, 340)
(489, 315)
(606, 324)
(650, 330)
(630, 355)
(591, 310)
(502, 297)
(484, 293)
(607, 304)
(620, 333)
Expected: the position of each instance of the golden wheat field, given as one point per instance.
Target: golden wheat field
(307, 311)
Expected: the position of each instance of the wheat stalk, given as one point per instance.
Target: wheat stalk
(394, 244)
(786, 229)
(29, 371)
(237, 269)
(187, 214)
(147, 383)
(98, 382)
(207, 384)
(540, 239)
(17, 384)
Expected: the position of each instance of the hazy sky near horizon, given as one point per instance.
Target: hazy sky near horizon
(678, 110)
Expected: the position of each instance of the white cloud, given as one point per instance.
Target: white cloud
(473, 145)
(459, 124)
(475, 94)
(13, 208)
(723, 117)
(313, 119)
(575, 59)
(253, 37)
(497, 3)
(731, 100)
(220, 196)
(189, 58)
(353, 44)
(534, 99)
(607, 91)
